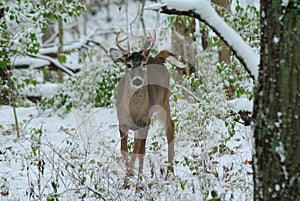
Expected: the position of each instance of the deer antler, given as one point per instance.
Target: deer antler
(149, 40)
(121, 41)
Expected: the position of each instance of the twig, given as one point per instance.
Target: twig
(100, 196)
(189, 92)
(142, 17)
(136, 17)
(98, 44)
(13, 103)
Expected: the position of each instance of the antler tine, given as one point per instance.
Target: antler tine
(121, 41)
(151, 39)
(148, 40)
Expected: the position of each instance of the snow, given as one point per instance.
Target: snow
(90, 142)
(277, 187)
(285, 3)
(276, 39)
(241, 104)
(31, 62)
(56, 62)
(66, 47)
(280, 151)
(43, 90)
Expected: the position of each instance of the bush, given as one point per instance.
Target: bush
(93, 86)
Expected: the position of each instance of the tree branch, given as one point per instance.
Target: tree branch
(248, 58)
(54, 62)
(196, 15)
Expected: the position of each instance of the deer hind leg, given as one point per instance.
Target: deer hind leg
(170, 138)
(164, 117)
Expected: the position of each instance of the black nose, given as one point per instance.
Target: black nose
(137, 82)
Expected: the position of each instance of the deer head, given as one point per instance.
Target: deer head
(136, 62)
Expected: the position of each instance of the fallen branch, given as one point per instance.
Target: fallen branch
(188, 92)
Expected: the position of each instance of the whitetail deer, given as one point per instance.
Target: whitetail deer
(142, 91)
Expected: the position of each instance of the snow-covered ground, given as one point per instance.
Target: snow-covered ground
(73, 156)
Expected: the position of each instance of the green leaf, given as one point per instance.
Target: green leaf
(83, 180)
(237, 8)
(62, 58)
(27, 81)
(69, 106)
(34, 82)
(214, 194)
(54, 186)
(33, 148)
(215, 149)
(182, 185)
(4, 63)
(2, 53)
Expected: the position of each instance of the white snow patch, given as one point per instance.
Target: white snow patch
(276, 39)
(31, 62)
(241, 104)
(285, 3)
(280, 151)
(44, 90)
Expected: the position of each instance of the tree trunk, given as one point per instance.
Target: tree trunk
(224, 50)
(4, 67)
(60, 48)
(277, 104)
(182, 42)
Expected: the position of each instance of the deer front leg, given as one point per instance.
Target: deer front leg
(139, 149)
(124, 146)
(141, 154)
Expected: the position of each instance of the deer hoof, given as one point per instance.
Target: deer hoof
(130, 172)
(126, 184)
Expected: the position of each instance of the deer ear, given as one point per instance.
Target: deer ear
(117, 55)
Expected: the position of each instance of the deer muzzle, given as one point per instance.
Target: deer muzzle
(137, 82)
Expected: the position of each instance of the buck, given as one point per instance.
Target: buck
(142, 91)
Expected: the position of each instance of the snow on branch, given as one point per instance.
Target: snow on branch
(30, 62)
(55, 62)
(47, 56)
(203, 11)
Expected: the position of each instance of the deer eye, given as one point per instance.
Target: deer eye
(128, 65)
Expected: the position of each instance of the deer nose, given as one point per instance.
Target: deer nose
(137, 82)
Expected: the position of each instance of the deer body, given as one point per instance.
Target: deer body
(142, 91)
